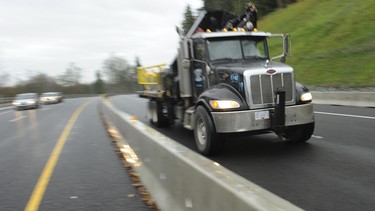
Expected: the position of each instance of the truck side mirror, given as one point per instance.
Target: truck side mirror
(286, 47)
(180, 32)
(185, 48)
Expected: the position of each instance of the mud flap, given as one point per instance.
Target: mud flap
(278, 117)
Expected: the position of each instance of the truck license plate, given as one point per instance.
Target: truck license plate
(259, 115)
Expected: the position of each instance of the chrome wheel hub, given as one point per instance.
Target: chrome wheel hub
(201, 132)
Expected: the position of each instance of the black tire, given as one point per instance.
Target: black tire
(207, 140)
(300, 133)
(157, 116)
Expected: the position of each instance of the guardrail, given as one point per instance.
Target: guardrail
(181, 179)
(6, 100)
(10, 99)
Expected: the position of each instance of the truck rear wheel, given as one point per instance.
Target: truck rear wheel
(300, 133)
(156, 114)
(207, 140)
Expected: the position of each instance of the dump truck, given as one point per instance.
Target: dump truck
(224, 82)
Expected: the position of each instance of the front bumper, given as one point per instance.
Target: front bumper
(25, 106)
(244, 121)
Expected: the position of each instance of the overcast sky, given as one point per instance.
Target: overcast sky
(46, 35)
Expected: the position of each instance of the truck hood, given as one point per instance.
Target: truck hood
(241, 66)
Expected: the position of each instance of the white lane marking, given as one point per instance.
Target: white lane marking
(345, 115)
(44, 109)
(16, 119)
(319, 137)
(6, 112)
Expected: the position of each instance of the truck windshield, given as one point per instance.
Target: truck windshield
(235, 49)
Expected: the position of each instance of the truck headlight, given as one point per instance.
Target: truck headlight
(224, 104)
(306, 97)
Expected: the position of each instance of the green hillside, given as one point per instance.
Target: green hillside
(333, 41)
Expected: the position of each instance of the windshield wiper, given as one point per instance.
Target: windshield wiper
(228, 59)
(255, 57)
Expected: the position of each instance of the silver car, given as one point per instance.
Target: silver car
(26, 101)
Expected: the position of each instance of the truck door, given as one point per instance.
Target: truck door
(198, 68)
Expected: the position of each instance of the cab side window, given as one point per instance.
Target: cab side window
(199, 51)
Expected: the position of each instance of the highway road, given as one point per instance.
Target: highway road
(333, 171)
(59, 157)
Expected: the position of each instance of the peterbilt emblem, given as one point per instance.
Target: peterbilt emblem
(271, 72)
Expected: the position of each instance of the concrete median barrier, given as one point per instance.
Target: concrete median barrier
(181, 179)
(360, 99)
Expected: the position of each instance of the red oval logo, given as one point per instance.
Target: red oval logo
(271, 72)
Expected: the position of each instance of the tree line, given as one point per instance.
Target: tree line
(116, 76)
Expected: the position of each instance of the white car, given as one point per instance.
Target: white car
(26, 101)
(51, 97)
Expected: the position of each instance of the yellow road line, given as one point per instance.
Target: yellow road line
(41, 186)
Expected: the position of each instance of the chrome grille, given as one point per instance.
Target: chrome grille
(263, 88)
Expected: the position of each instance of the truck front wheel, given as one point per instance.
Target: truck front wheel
(207, 140)
(300, 133)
